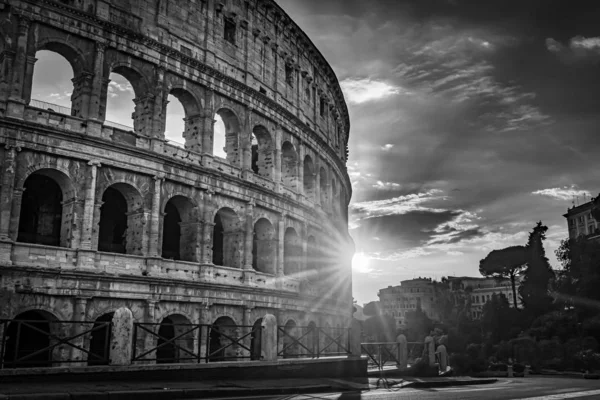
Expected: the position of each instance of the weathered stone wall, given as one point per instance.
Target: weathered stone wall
(246, 61)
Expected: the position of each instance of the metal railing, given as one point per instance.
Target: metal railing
(42, 343)
(176, 342)
(312, 342)
(380, 354)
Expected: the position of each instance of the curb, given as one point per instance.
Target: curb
(168, 393)
(434, 384)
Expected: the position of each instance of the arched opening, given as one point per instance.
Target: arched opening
(127, 108)
(222, 346)
(262, 152)
(180, 230)
(174, 340)
(334, 195)
(52, 83)
(309, 178)
(174, 121)
(226, 136)
(290, 346)
(312, 339)
(264, 247)
(46, 212)
(292, 253)
(27, 341)
(323, 188)
(312, 258)
(100, 340)
(255, 340)
(113, 222)
(122, 220)
(289, 165)
(227, 239)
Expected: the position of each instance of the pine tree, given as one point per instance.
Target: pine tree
(534, 288)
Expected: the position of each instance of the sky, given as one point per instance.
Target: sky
(470, 122)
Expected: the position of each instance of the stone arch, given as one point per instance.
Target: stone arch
(232, 132)
(59, 45)
(143, 110)
(221, 347)
(323, 188)
(289, 165)
(262, 152)
(100, 339)
(292, 253)
(192, 107)
(175, 342)
(28, 336)
(309, 177)
(290, 347)
(128, 223)
(264, 247)
(228, 239)
(47, 212)
(180, 229)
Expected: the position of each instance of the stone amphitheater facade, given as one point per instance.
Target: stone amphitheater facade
(95, 217)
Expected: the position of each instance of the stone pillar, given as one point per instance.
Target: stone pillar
(158, 105)
(28, 82)
(88, 207)
(300, 169)
(277, 159)
(268, 344)
(15, 213)
(154, 233)
(20, 63)
(429, 350)
(205, 319)
(280, 246)
(402, 352)
(122, 337)
(96, 224)
(355, 339)
(79, 314)
(7, 190)
(193, 133)
(249, 235)
(304, 260)
(143, 115)
(97, 100)
(247, 341)
(80, 99)
(317, 189)
(209, 122)
(149, 340)
(207, 228)
(247, 146)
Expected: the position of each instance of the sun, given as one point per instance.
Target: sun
(360, 263)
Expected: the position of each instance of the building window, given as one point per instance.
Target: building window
(289, 74)
(229, 31)
(322, 113)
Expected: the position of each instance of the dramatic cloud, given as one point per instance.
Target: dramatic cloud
(578, 49)
(363, 90)
(564, 193)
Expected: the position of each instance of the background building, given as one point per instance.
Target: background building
(397, 301)
(479, 291)
(97, 216)
(580, 220)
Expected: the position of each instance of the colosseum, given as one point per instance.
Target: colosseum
(98, 219)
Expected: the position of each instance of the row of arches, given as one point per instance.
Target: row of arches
(30, 336)
(181, 118)
(45, 218)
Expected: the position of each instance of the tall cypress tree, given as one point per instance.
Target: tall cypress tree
(534, 288)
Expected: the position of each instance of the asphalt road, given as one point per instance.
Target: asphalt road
(531, 388)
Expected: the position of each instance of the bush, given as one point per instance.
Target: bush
(460, 363)
(423, 369)
(557, 364)
(498, 367)
(519, 368)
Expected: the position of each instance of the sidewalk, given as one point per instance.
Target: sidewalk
(111, 390)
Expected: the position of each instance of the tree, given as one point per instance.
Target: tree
(505, 263)
(418, 325)
(380, 328)
(372, 309)
(534, 287)
(496, 317)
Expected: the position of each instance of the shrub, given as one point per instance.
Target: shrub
(460, 363)
(519, 368)
(500, 367)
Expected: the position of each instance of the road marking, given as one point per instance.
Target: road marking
(563, 395)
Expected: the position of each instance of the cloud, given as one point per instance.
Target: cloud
(397, 205)
(579, 49)
(387, 147)
(379, 185)
(564, 193)
(359, 91)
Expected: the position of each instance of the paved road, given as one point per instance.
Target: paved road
(532, 388)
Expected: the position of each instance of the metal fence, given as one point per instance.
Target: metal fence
(380, 354)
(312, 341)
(43, 343)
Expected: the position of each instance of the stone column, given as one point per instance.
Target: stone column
(277, 159)
(15, 214)
(205, 319)
(96, 224)
(122, 337)
(88, 207)
(80, 99)
(355, 339)
(249, 235)
(27, 84)
(7, 190)
(300, 169)
(247, 146)
(207, 228)
(208, 126)
(317, 198)
(304, 260)
(269, 338)
(280, 246)
(193, 133)
(150, 341)
(79, 314)
(402, 352)
(97, 106)
(247, 322)
(154, 233)
(20, 63)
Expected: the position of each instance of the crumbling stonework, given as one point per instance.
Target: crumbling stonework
(129, 220)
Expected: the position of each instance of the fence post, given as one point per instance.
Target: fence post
(122, 337)
(402, 352)
(355, 336)
(268, 338)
